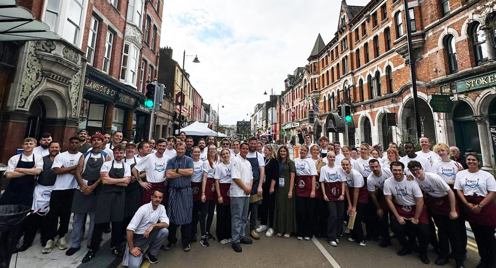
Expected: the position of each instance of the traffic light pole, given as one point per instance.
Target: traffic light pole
(343, 113)
(181, 96)
(152, 113)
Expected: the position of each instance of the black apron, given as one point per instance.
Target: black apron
(255, 168)
(82, 203)
(134, 196)
(20, 190)
(47, 177)
(111, 199)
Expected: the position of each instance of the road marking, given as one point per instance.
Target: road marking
(326, 254)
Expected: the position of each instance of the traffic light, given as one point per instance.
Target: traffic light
(348, 118)
(150, 95)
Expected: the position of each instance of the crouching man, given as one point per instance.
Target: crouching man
(146, 232)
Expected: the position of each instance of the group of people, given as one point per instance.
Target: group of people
(142, 193)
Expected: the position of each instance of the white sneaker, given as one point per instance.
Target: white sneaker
(48, 247)
(299, 238)
(279, 234)
(337, 240)
(287, 235)
(225, 241)
(363, 244)
(62, 243)
(269, 232)
(261, 228)
(307, 238)
(333, 243)
(351, 239)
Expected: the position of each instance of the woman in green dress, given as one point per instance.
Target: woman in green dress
(283, 187)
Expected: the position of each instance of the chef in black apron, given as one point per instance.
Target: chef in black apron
(134, 193)
(84, 201)
(115, 176)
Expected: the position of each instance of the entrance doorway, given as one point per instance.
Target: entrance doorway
(367, 131)
(466, 132)
(36, 119)
(426, 122)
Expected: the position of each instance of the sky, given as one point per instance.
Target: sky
(245, 47)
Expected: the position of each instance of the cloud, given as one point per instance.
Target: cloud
(245, 47)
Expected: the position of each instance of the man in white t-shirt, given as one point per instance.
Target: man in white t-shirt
(241, 187)
(170, 152)
(154, 166)
(257, 162)
(405, 201)
(65, 166)
(411, 155)
(426, 152)
(42, 149)
(203, 149)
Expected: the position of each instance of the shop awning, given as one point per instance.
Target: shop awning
(17, 24)
(198, 129)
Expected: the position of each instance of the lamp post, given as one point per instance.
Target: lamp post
(181, 98)
(272, 109)
(218, 118)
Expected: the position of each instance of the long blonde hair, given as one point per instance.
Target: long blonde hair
(272, 154)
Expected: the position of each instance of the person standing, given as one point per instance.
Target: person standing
(368, 214)
(323, 143)
(320, 207)
(241, 187)
(84, 201)
(257, 165)
(199, 206)
(189, 146)
(333, 190)
(42, 148)
(153, 165)
(143, 150)
(204, 152)
(477, 192)
(115, 176)
(305, 194)
(134, 192)
(208, 188)
(410, 221)
(266, 210)
(180, 200)
(223, 182)
(411, 155)
(283, 186)
(85, 143)
(170, 152)
(426, 152)
(65, 166)
(147, 229)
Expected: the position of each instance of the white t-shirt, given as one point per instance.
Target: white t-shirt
(447, 170)
(223, 173)
(14, 160)
(377, 182)
(305, 167)
(170, 153)
(479, 183)
(108, 165)
(403, 192)
(197, 171)
(433, 185)
(431, 156)
(67, 180)
(154, 167)
(362, 166)
(353, 179)
(259, 156)
(209, 169)
(203, 154)
(107, 150)
(328, 174)
(145, 216)
(426, 165)
(40, 151)
(241, 169)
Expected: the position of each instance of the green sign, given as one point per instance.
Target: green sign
(482, 81)
(441, 103)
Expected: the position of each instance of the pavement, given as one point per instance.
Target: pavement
(266, 252)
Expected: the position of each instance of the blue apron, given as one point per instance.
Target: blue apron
(20, 190)
(255, 168)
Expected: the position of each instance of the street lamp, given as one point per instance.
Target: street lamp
(272, 109)
(218, 118)
(181, 97)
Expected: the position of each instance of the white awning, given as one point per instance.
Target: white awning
(18, 24)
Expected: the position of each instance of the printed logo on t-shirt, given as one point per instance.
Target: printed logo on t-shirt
(159, 167)
(300, 166)
(401, 190)
(427, 188)
(334, 177)
(448, 172)
(472, 183)
(228, 172)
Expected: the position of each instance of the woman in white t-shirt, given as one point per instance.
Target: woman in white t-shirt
(446, 168)
(199, 206)
(477, 191)
(392, 155)
(223, 182)
(208, 186)
(305, 194)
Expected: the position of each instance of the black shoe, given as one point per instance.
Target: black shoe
(404, 251)
(441, 261)
(385, 243)
(204, 242)
(246, 241)
(187, 248)
(151, 259)
(236, 247)
(71, 251)
(169, 246)
(89, 255)
(424, 259)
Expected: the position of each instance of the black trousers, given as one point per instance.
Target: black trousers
(357, 232)
(321, 216)
(185, 233)
(223, 227)
(448, 234)
(60, 213)
(199, 215)
(409, 232)
(335, 219)
(210, 208)
(383, 225)
(304, 216)
(267, 209)
(486, 244)
(116, 235)
(31, 225)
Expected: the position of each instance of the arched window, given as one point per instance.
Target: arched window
(450, 48)
(360, 90)
(479, 42)
(333, 106)
(378, 83)
(387, 39)
(345, 65)
(337, 71)
(389, 79)
(398, 20)
(332, 75)
(327, 77)
(376, 46)
(366, 52)
(357, 58)
(370, 84)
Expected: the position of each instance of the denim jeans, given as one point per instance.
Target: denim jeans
(154, 241)
(239, 217)
(77, 228)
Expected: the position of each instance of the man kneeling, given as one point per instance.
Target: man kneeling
(147, 229)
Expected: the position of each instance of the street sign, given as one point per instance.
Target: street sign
(479, 82)
(441, 103)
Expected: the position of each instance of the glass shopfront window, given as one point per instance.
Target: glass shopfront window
(92, 116)
(118, 120)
